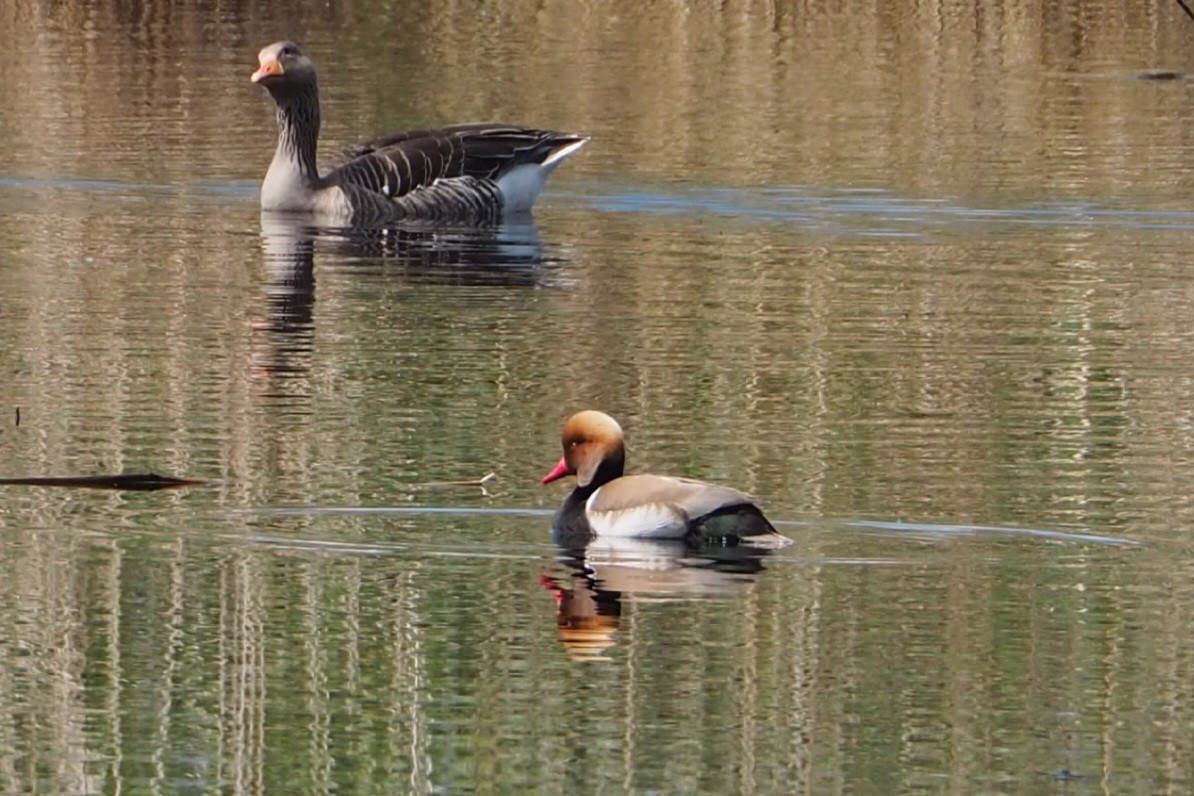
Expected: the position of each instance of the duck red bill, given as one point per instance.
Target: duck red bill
(560, 471)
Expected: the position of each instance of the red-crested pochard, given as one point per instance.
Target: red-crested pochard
(607, 503)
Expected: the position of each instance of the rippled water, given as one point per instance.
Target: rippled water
(916, 277)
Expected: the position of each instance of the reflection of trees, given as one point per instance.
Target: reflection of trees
(859, 384)
(272, 666)
(802, 92)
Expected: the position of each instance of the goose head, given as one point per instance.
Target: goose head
(594, 450)
(282, 68)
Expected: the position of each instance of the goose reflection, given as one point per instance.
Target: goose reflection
(599, 577)
(284, 328)
(510, 253)
(505, 255)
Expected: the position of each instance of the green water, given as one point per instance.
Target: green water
(915, 277)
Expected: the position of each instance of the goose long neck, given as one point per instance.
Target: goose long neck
(298, 129)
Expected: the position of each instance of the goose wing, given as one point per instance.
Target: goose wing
(396, 165)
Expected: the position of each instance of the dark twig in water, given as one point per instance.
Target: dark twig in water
(482, 481)
(1063, 775)
(140, 482)
(1186, 8)
(1162, 74)
(18, 416)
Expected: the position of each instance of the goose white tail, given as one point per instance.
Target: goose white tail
(520, 185)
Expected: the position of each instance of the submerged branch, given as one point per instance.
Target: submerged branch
(142, 482)
(482, 481)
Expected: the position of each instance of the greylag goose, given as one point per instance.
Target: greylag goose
(606, 503)
(471, 173)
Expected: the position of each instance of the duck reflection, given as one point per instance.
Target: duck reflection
(598, 577)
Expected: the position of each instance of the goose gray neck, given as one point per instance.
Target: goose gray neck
(298, 128)
(293, 174)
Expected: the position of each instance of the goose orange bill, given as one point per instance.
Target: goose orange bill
(268, 67)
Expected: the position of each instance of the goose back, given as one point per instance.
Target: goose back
(450, 173)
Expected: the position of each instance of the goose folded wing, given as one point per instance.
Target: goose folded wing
(491, 149)
(398, 164)
(403, 164)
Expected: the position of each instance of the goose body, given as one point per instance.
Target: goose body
(470, 173)
(607, 503)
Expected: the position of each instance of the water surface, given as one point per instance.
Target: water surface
(916, 277)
